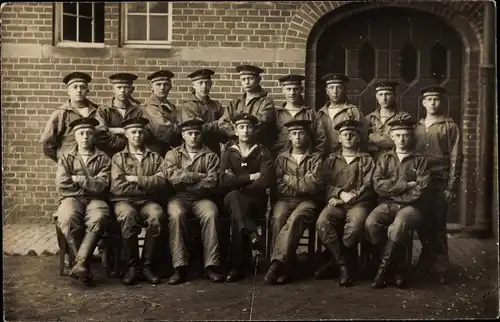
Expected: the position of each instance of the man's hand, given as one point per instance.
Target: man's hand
(255, 176)
(229, 172)
(346, 196)
(285, 177)
(448, 195)
(334, 202)
(132, 178)
(412, 184)
(78, 178)
(117, 130)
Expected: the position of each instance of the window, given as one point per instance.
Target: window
(80, 24)
(147, 24)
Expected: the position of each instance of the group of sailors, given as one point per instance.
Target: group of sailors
(372, 180)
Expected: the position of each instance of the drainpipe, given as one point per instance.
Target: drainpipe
(483, 221)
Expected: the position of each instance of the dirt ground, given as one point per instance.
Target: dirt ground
(34, 291)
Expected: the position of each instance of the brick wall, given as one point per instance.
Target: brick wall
(217, 35)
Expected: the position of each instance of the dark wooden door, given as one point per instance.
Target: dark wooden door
(411, 47)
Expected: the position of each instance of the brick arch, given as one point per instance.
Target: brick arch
(307, 26)
(464, 16)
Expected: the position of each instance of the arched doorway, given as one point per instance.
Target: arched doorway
(412, 47)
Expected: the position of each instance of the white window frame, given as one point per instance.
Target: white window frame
(145, 43)
(58, 28)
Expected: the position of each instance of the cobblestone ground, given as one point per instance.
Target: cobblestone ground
(34, 291)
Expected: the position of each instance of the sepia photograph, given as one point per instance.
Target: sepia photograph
(249, 160)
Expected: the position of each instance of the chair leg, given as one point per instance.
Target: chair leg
(61, 240)
(311, 243)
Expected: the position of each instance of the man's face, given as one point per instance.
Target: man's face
(349, 138)
(431, 104)
(122, 91)
(244, 131)
(78, 91)
(192, 138)
(385, 98)
(249, 82)
(161, 88)
(402, 138)
(202, 87)
(135, 136)
(298, 138)
(83, 137)
(335, 92)
(292, 92)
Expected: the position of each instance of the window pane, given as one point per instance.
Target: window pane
(99, 22)
(409, 62)
(85, 29)
(69, 28)
(367, 62)
(85, 9)
(135, 7)
(136, 28)
(69, 7)
(159, 28)
(158, 7)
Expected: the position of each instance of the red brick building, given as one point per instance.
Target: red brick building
(417, 43)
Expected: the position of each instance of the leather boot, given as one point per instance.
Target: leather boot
(381, 276)
(213, 275)
(272, 274)
(285, 273)
(179, 276)
(364, 265)
(345, 278)
(72, 248)
(374, 262)
(81, 268)
(131, 256)
(400, 267)
(234, 275)
(337, 259)
(148, 253)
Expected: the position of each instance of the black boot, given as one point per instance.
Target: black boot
(213, 275)
(179, 276)
(364, 263)
(374, 262)
(131, 256)
(285, 273)
(381, 276)
(81, 269)
(400, 267)
(72, 249)
(339, 259)
(272, 274)
(148, 253)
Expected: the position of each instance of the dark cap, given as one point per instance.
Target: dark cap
(433, 90)
(192, 124)
(386, 86)
(201, 74)
(291, 79)
(404, 124)
(134, 122)
(245, 118)
(160, 75)
(348, 125)
(335, 78)
(249, 70)
(298, 125)
(123, 78)
(84, 122)
(77, 77)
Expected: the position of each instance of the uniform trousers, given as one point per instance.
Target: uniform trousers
(203, 209)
